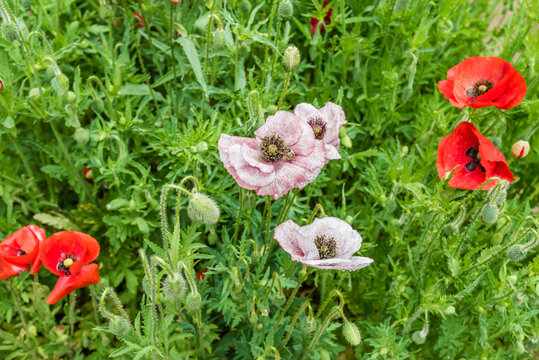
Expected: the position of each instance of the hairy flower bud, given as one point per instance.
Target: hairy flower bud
(516, 253)
(174, 287)
(193, 301)
(36, 92)
(219, 39)
(146, 286)
(351, 333)
(202, 208)
(98, 105)
(308, 324)
(9, 31)
(82, 136)
(419, 337)
(119, 326)
(201, 147)
(278, 300)
(520, 149)
(246, 6)
(62, 81)
(490, 213)
(106, 11)
(286, 10)
(324, 355)
(70, 97)
(291, 58)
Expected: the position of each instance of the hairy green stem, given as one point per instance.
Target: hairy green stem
(291, 298)
(268, 223)
(240, 210)
(285, 87)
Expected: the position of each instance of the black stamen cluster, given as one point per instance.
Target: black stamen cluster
(327, 246)
(319, 127)
(475, 161)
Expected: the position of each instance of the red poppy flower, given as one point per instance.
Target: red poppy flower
(65, 254)
(327, 20)
(88, 176)
(19, 250)
(140, 20)
(202, 275)
(483, 81)
(474, 158)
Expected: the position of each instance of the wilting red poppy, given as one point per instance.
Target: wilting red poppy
(474, 158)
(140, 20)
(483, 81)
(327, 20)
(65, 254)
(19, 250)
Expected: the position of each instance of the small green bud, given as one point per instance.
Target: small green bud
(106, 11)
(62, 81)
(450, 310)
(146, 286)
(246, 6)
(291, 58)
(98, 106)
(119, 326)
(496, 238)
(219, 39)
(516, 253)
(349, 219)
(248, 200)
(520, 149)
(278, 300)
(193, 301)
(82, 136)
(259, 327)
(70, 97)
(419, 337)
(253, 318)
(174, 287)
(490, 213)
(512, 279)
(9, 31)
(286, 10)
(201, 147)
(35, 92)
(202, 208)
(425, 139)
(351, 333)
(308, 324)
(324, 355)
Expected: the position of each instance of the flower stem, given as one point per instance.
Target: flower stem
(16, 300)
(72, 303)
(336, 310)
(240, 210)
(270, 27)
(293, 324)
(287, 81)
(268, 222)
(174, 102)
(291, 298)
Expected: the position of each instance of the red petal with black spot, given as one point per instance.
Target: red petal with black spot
(19, 250)
(474, 158)
(483, 81)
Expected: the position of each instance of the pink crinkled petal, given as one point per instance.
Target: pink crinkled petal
(293, 242)
(334, 116)
(343, 264)
(313, 164)
(284, 124)
(306, 111)
(254, 158)
(287, 177)
(348, 240)
(306, 143)
(332, 153)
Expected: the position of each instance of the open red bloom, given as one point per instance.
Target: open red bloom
(483, 81)
(474, 158)
(65, 254)
(140, 20)
(19, 250)
(327, 20)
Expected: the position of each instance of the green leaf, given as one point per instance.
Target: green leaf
(192, 55)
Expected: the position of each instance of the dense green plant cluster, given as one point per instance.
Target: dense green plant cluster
(140, 102)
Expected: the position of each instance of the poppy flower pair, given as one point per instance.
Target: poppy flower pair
(65, 254)
(289, 150)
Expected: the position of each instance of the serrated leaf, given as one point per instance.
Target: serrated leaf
(57, 221)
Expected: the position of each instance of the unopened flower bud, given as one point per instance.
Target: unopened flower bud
(174, 287)
(490, 213)
(246, 6)
(520, 149)
(450, 310)
(278, 300)
(349, 219)
(202, 208)
(146, 286)
(119, 326)
(286, 10)
(308, 324)
(324, 355)
(98, 105)
(70, 97)
(82, 136)
(271, 109)
(291, 58)
(351, 333)
(419, 337)
(516, 253)
(499, 194)
(193, 301)
(9, 31)
(36, 92)
(253, 318)
(201, 147)
(425, 139)
(62, 81)
(219, 39)
(106, 11)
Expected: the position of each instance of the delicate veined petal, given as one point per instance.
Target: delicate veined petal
(344, 264)
(283, 124)
(8, 270)
(87, 275)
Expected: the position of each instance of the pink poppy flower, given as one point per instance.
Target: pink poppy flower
(327, 243)
(326, 124)
(283, 156)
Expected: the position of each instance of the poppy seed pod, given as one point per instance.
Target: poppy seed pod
(520, 149)
(105, 11)
(516, 253)
(9, 31)
(351, 333)
(291, 58)
(174, 287)
(193, 301)
(202, 208)
(119, 326)
(82, 136)
(490, 213)
(98, 106)
(286, 9)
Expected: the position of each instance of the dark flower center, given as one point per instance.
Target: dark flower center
(21, 253)
(65, 263)
(327, 246)
(273, 149)
(319, 127)
(479, 88)
(475, 159)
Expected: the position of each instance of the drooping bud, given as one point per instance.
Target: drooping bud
(70, 97)
(498, 194)
(82, 136)
(105, 11)
(202, 208)
(193, 301)
(98, 105)
(88, 175)
(119, 326)
(450, 310)
(351, 333)
(490, 213)
(286, 10)
(9, 31)
(174, 287)
(219, 39)
(419, 337)
(246, 6)
(62, 81)
(516, 253)
(36, 92)
(201, 147)
(291, 58)
(520, 149)
(308, 324)
(278, 300)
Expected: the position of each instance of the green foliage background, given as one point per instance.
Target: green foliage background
(380, 60)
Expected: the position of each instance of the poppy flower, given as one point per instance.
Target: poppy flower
(140, 20)
(328, 243)
(202, 275)
(326, 124)
(88, 175)
(283, 156)
(19, 250)
(482, 81)
(474, 158)
(65, 254)
(327, 20)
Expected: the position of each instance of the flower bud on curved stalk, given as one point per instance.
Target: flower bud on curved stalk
(516, 253)
(9, 31)
(286, 10)
(119, 326)
(291, 58)
(351, 333)
(490, 213)
(193, 301)
(202, 208)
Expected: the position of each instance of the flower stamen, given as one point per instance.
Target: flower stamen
(64, 264)
(273, 149)
(327, 246)
(475, 159)
(21, 253)
(319, 127)
(480, 87)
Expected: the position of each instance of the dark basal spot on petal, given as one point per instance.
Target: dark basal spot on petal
(475, 159)
(21, 253)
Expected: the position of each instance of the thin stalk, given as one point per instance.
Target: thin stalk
(287, 81)
(268, 222)
(25, 163)
(270, 27)
(16, 300)
(317, 208)
(291, 298)
(240, 210)
(72, 303)
(293, 324)
(174, 102)
(334, 312)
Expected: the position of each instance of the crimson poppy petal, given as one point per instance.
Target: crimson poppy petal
(8, 270)
(26, 240)
(88, 275)
(82, 247)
